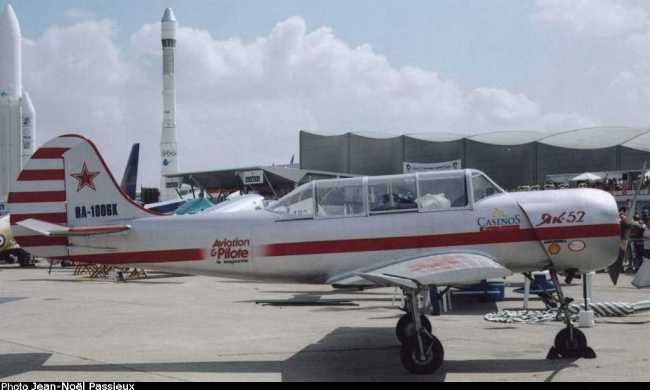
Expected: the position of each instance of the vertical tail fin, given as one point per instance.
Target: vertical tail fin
(67, 182)
(130, 178)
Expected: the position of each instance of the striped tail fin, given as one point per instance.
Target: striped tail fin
(66, 183)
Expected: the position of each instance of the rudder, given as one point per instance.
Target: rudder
(67, 182)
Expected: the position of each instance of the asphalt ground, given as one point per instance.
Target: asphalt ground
(187, 328)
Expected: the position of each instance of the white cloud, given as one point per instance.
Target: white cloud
(605, 63)
(630, 90)
(242, 103)
(596, 17)
(489, 106)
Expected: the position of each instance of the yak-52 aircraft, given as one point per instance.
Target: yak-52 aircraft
(414, 231)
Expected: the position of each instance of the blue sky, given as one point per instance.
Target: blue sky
(251, 74)
(476, 42)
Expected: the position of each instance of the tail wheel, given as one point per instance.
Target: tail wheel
(424, 363)
(406, 327)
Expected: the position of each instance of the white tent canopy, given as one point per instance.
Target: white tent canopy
(584, 139)
(587, 176)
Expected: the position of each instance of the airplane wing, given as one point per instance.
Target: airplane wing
(437, 270)
(351, 282)
(54, 230)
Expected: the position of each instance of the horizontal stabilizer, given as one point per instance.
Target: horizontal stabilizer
(54, 230)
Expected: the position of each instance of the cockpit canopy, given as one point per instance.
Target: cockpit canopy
(361, 196)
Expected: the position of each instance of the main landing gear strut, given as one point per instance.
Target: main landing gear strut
(570, 342)
(422, 352)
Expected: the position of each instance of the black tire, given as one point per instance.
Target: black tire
(406, 327)
(410, 355)
(25, 259)
(10, 258)
(26, 264)
(570, 348)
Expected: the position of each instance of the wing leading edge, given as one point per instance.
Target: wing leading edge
(437, 270)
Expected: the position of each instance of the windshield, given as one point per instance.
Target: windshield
(299, 203)
(483, 187)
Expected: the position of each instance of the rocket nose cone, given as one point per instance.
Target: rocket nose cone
(10, 54)
(9, 26)
(168, 16)
(28, 106)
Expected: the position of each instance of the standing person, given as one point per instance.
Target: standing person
(636, 235)
(623, 261)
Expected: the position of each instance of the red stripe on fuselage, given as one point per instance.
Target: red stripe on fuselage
(588, 231)
(41, 174)
(36, 197)
(29, 241)
(438, 240)
(47, 153)
(45, 217)
(163, 256)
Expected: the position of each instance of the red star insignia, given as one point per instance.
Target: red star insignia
(85, 178)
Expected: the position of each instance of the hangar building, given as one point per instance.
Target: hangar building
(269, 181)
(511, 158)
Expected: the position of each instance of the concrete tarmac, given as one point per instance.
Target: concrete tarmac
(186, 328)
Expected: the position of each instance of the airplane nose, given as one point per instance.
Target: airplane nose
(589, 220)
(606, 247)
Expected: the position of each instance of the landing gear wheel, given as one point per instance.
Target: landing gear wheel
(405, 328)
(414, 362)
(570, 342)
(25, 259)
(565, 347)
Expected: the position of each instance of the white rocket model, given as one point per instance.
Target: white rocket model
(17, 114)
(11, 77)
(29, 127)
(168, 152)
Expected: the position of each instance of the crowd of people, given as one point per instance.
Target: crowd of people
(616, 185)
(619, 185)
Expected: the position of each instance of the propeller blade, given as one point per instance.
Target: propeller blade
(616, 268)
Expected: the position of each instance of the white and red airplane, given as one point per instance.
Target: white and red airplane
(415, 231)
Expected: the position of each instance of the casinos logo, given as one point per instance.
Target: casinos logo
(498, 219)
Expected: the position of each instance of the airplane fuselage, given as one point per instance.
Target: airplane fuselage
(571, 229)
